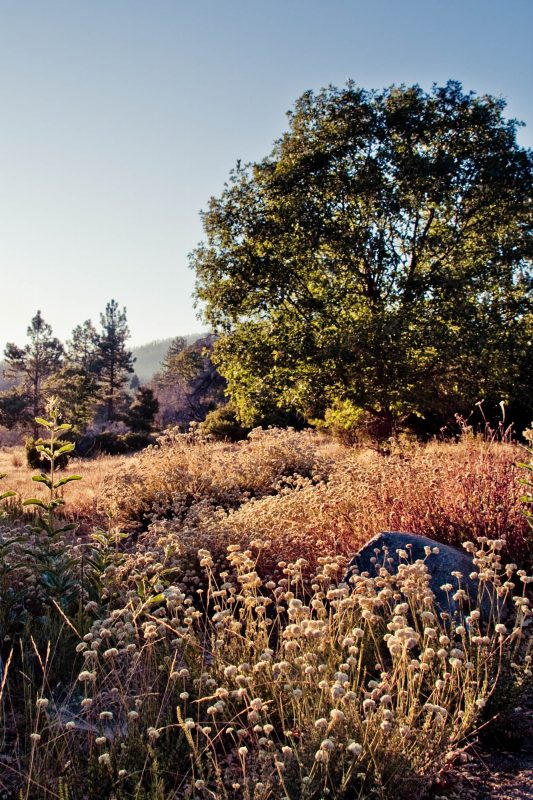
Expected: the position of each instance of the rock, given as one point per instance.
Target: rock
(382, 551)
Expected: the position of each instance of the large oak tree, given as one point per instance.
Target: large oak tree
(380, 255)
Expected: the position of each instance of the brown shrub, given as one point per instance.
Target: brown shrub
(285, 488)
(450, 492)
(186, 471)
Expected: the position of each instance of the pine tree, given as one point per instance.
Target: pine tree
(34, 363)
(114, 362)
(141, 413)
(82, 348)
(169, 365)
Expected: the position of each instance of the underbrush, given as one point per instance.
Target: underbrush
(187, 473)
(289, 489)
(217, 653)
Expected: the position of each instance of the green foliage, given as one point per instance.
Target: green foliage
(175, 348)
(76, 392)
(8, 493)
(55, 567)
(137, 440)
(380, 255)
(223, 424)
(15, 408)
(347, 423)
(82, 348)
(142, 411)
(115, 444)
(36, 458)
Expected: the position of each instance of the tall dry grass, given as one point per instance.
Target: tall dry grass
(305, 499)
(83, 496)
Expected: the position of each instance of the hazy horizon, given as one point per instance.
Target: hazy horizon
(121, 120)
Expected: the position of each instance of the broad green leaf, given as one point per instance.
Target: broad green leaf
(158, 598)
(68, 447)
(34, 501)
(57, 501)
(63, 481)
(42, 479)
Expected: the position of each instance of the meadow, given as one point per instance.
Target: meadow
(176, 625)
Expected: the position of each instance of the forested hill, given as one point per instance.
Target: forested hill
(148, 357)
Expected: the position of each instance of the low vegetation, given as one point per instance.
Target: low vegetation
(202, 643)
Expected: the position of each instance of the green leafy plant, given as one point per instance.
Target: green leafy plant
(7, 494)
(36, 458)
(223, 424)
(56, 566)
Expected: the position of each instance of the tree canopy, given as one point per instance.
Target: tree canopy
(380, 255)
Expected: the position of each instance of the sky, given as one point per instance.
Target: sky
(120, 118)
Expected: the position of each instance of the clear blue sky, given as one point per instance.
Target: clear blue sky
(120, 118)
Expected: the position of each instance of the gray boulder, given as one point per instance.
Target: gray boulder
(382, 551)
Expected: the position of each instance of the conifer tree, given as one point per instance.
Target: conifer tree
(82, 348)
(141, 413)
(33, 364)
(114, 362)
(170, 364)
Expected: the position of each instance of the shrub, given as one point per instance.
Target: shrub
(347, 423)
(222, 424)
(184, 472)
(114, 444)
(138, 440)
(36, 459)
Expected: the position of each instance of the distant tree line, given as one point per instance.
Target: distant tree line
(92, 378)
(88, 374)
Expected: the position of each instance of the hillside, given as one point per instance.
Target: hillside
(148, 357)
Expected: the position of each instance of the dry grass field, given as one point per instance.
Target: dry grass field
(82, 495)
(192, 637)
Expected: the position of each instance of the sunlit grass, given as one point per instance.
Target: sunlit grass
(213, 650)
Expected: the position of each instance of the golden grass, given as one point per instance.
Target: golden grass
(82, 495)
(307, 498)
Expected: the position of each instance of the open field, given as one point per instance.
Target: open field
(206, 647)
(82, 495)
